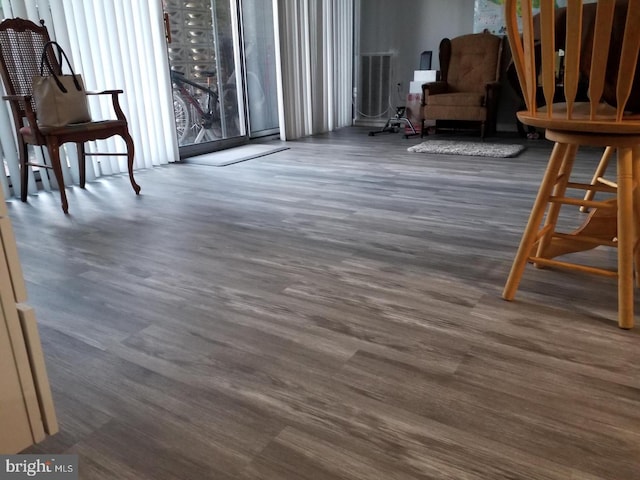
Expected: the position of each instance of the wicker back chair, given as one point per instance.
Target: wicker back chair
(21, 45)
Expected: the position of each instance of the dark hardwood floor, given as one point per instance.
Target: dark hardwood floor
(332, 311)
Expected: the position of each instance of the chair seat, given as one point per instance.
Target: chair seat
(82, 127)
(75, 128)
(604, 121)
(457, 99)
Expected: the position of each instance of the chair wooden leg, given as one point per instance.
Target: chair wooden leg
(54, 154)
(559, 190)
(535, 218)
(82, 163)
(625, 238)
(600, 171)
(24, 170)
(130, 153)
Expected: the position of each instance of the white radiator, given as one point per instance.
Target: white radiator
(375, 85)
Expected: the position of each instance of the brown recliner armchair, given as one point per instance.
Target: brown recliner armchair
(469, 82)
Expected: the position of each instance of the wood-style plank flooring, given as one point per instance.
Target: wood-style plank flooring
(332, 311)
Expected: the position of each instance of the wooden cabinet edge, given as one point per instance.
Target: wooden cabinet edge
(38, 368)
(32, 390)
(19, 353)
(11, 255)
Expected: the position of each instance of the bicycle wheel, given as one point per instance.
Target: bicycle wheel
(183, 121)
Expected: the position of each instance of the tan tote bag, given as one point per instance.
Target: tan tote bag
(60, 99)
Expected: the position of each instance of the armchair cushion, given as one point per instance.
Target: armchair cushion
(458, 99)
(457, 112)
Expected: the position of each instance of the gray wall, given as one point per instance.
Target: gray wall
(408, 27)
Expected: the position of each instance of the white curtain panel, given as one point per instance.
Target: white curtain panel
(314, 65)
(114, 44)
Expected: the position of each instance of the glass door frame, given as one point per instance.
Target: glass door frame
(264, 133)
(210, 146)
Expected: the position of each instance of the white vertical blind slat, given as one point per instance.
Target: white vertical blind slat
(330, 38)
(99, 46)
(132, 85)
(167, 144)
(106, 79)
(158, 62)
(279, 49)
(314, 55)
(9, 148)
(145, 58)
(6, 192)
(7, 9)
(32, 9)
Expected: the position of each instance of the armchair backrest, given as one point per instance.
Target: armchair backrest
(21, 44)
(469, 62)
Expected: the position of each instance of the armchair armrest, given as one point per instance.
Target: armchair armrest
(433, 88)
(492, 89)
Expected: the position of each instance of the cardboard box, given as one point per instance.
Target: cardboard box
(413, 112)
(424, 76)
(415, 87)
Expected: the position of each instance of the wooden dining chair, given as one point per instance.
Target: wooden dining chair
(610, 58)
(21, 45)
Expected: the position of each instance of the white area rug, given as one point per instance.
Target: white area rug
(477, 149)
(235, 155)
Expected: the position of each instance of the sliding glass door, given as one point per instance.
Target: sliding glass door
(260, 66)
(204, 56)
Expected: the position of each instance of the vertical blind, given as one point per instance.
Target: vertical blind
(114, 44)
(314, 65)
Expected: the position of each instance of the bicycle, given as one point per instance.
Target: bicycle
(197, 109)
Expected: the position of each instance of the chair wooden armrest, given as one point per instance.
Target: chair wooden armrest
(13, 98)
(23, 103)
(116, 102)
(106, 92)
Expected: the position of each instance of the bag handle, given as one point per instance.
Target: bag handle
(44, 61)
